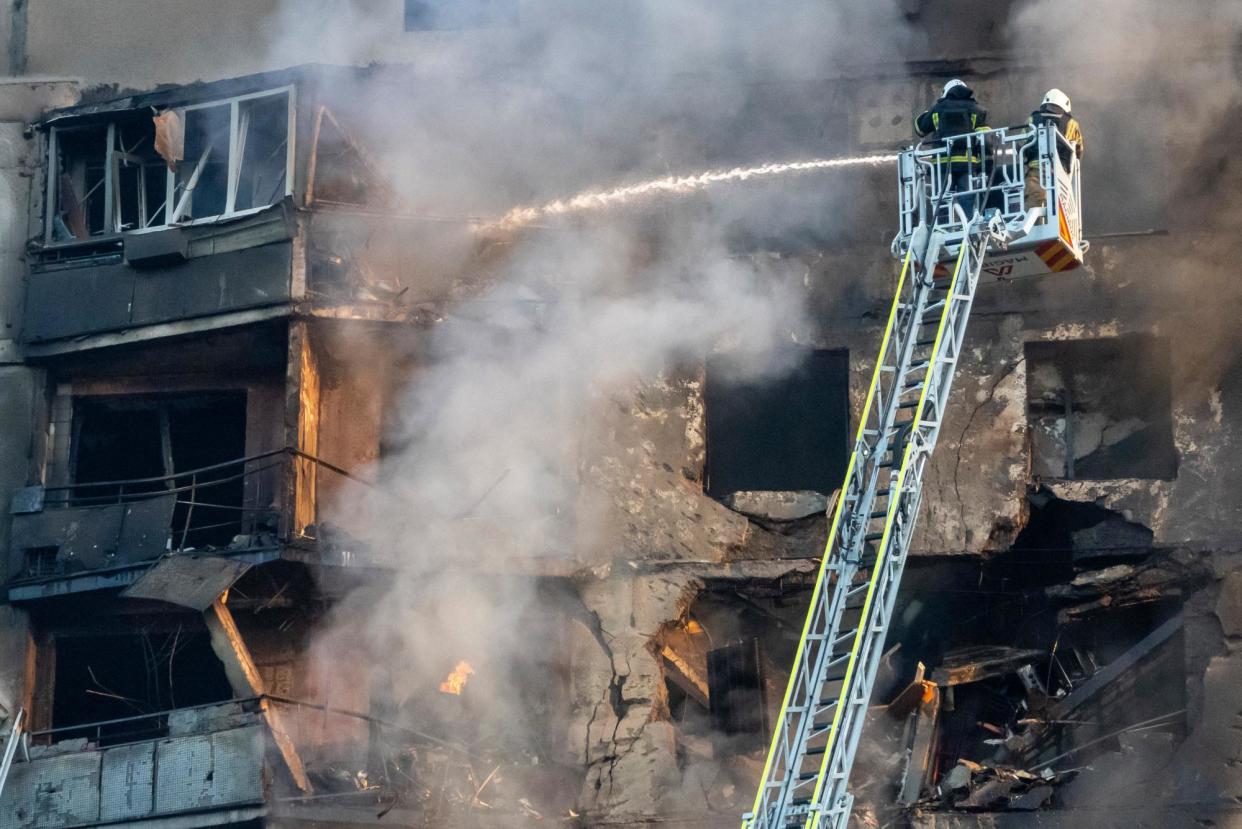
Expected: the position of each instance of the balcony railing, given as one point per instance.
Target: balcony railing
(258, 502)
(228, 755)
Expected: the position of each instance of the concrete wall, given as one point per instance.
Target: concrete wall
(21, 387)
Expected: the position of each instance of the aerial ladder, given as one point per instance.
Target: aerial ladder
(10, 746)
(959, 225)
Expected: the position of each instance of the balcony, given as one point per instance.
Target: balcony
(208, 766)
(97, 535)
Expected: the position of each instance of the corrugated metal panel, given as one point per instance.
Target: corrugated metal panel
(127, 782)
(210, 770)
(213, 284)
(77, 301)
(86, 536)
(83, 536)
(112, 297)
(144, 531)
(50, 793)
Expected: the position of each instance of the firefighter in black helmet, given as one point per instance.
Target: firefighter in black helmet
(955, 113)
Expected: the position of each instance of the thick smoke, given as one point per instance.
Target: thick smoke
(492, 431)
(1156, 87)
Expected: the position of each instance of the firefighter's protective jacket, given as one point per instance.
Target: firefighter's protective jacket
(957, 113)
(1068, 127)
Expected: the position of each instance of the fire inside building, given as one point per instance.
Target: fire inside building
(500, 413)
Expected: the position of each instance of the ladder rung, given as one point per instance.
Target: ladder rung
(873, 536)
(883, 513)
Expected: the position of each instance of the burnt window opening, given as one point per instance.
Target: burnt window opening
(449, 15)
(1101, 409)
(201, 182)
(1063, 536)
(261, 168)
(131, 675)
(784, 433)
(128, 438)
(143, 171)
(78, 183)
(340, 172)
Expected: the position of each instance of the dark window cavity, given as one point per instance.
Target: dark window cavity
(1101, 409)
(133, 444)
(118, 677)
(783, 433)
(141, 171)
(736, 690)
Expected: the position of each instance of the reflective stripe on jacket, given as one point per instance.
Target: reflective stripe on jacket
(957, 113)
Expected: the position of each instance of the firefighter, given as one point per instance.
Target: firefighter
(1055, 110)
(955, 114)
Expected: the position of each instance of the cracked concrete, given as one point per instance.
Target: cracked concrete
(630, 757)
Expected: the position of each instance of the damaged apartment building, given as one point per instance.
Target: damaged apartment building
(215, 303)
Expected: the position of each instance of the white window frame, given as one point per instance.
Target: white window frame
(174, 202)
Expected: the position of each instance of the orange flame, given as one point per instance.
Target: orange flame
(457, 679)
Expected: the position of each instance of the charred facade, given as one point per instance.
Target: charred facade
(269, 563)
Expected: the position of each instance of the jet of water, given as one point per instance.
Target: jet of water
(594, 200)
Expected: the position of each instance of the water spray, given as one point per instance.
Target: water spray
(594, 200)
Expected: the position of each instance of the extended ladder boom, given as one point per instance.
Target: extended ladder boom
(816, 735)
(10, 746)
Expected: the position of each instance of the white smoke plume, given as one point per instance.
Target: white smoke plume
(492, 429)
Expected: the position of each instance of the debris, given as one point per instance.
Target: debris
(1034, 799)
(988, 796)
(957, 780)
(976, 664)
(914, 693)
(921, 738)
(681, 672)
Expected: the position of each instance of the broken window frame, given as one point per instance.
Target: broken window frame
(177, 199)
(379, 192)
(54, 176)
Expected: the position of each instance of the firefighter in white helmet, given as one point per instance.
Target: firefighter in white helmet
(1055, 110)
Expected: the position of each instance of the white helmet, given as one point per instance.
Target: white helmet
(953, 84)
(1057, 98)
